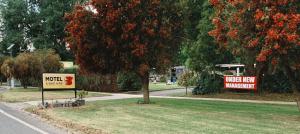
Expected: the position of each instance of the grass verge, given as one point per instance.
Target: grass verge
(32, 94)
(170, 116)
(288, 97)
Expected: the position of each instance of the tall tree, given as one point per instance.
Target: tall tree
(200, 49)
(36, 22)
(14, 25)
(264, 32)
(108, 36)
(48, 25)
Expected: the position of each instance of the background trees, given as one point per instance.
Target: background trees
(38, 23)
(261, 32)
(14, 24)
(199, 49)
(28, 67)
(114, 35)
(47, 30)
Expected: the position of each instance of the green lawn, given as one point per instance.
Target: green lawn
(31, 94)
(162, 86)
(169, 116)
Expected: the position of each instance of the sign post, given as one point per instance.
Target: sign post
(56, 82)
(43, 97)
(240, 82)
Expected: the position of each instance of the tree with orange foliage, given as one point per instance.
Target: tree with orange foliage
(265, 32)
(108, 36)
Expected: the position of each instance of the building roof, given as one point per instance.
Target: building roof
(230, 65)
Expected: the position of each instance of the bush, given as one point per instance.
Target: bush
(2, 76)
(28, 69)
(128, 81)
(277, 83)
(162, 79)
(97, 83)
(208, 84)
(89, 82)
(186, 79)
(93, 82)
(50, 60)
(7, 68)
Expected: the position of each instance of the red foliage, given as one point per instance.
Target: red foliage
(259, 14)
(214, 2)
(272, 27)
(232, 33)
(108, 36)
(253, 43)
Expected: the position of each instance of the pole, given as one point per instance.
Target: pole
(186, 90)
(12, 81)
(75, 93)
(43, 102)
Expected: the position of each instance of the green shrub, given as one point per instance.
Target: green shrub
(128, 81)
(186, 79)
(93, 82)
(277, 83)
(208, 84)
(163, 79)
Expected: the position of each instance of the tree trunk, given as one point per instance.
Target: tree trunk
(249, 61)
(186, 90)
(24, 84)
(289, 73)
(145, 87)
(260, 68)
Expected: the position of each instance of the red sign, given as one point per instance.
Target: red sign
(240, 82)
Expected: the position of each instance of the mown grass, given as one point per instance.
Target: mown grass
(32, 94)
(288, 97)
(169, 116)
(162, 86)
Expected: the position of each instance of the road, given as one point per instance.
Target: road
(169, 92)
(14, 121)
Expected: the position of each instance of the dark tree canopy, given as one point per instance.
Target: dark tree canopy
(264, 32)
(107, 36)
(200, 50)
(13, 25)
(35, 22)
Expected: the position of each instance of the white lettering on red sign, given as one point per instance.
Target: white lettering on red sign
(240, 82)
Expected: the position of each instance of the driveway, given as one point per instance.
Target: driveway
(170, 92)
(3, 89)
